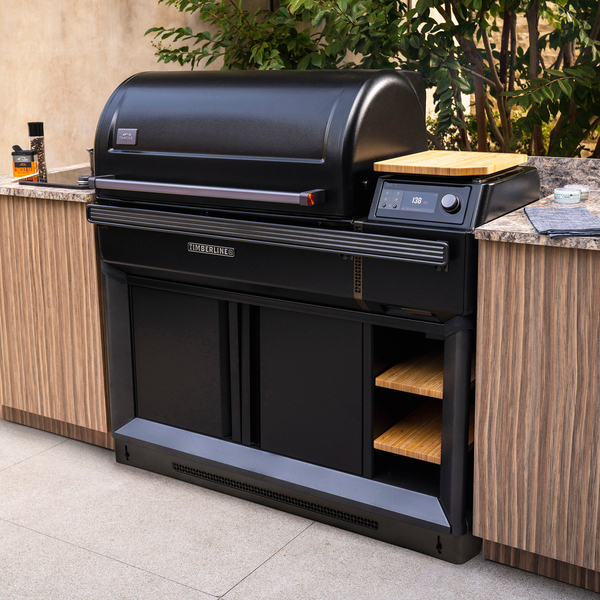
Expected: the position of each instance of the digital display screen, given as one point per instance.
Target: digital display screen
(419, 201)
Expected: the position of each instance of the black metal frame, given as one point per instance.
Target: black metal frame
(433, 525)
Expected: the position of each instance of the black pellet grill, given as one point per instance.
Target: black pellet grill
(257, 281)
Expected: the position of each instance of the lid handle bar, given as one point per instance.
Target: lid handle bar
(308, 198)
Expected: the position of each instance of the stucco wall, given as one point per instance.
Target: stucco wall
(59, 62)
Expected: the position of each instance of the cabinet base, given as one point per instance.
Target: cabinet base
(541, 565)
(75, 432)
(299, 501)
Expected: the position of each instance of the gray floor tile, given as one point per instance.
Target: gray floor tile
(35, 566)
(17, 442)
(78, 493)
(325, 563)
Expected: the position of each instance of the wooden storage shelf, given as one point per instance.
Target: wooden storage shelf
(419, 434)
(423, 375)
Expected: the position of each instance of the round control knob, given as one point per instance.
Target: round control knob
(451, 203)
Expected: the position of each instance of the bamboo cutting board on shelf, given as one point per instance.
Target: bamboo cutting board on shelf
(451, 163)
(419, 434)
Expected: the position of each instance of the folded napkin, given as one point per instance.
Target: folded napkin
(562, 222)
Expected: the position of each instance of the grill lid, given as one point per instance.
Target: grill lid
(291, 132)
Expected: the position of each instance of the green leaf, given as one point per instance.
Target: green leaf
(463, 85)
(537, 96)
(547, 92)
(304, 62)
(421, 6)
(318, 18)
(565, 86)
(447, 95)
(316, 59)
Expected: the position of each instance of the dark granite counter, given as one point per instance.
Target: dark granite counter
(516, 227)
(8, 187)
(554, 172)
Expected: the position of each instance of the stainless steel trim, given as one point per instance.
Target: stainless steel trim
(206, 191)
(339, 242)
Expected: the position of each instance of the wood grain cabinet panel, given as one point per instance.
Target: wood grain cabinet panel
(537, 419)
(51, 332)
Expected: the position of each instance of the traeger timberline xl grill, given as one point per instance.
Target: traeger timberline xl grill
(259, 277)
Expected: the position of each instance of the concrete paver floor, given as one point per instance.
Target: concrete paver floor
(74, 524)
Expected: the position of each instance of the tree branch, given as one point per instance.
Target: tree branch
(532, 15)
(438, 145)
(475, 74)
(591, 128)
(445, 14)
(506, 27)
(242, 14)
(513, 54)
(556, 64)
(494, 127)
(490, 57)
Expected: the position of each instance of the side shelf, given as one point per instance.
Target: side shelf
(419, 435)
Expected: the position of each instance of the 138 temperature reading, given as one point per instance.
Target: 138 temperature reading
(419, 201)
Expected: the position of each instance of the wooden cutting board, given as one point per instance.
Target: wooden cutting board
(450, 163)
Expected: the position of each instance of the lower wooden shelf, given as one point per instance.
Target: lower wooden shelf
(419, 434)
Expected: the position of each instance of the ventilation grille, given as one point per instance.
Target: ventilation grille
(264, 493)
(358, 277)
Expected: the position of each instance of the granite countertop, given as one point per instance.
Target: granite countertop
(515, 227)
(10, 188)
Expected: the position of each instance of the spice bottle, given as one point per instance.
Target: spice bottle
(36, 143)
(24, 164)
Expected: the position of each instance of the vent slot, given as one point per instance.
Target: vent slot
(290, 500)
(358, 277)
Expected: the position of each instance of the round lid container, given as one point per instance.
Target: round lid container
(567, 195)
(584, 190)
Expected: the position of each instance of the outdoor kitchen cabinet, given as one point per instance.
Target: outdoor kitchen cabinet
(52, 366)
(537, 448)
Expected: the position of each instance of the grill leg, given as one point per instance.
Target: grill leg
(454, 481)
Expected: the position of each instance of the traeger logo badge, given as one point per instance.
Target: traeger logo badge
(208, 249)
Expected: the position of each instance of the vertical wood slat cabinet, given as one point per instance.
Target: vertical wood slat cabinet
(51, 317)
(537, 420)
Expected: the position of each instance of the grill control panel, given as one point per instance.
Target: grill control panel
(440, 203)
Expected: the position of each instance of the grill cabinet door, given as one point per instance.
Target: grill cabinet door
(181, 360)
(311, 388)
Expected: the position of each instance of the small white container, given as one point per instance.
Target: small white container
(566, 195)
(584, 190)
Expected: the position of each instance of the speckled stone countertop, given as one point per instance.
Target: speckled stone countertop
(515, 227)
(10, 188)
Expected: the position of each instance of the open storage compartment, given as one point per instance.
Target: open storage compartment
(422, 397)
(417, 380)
